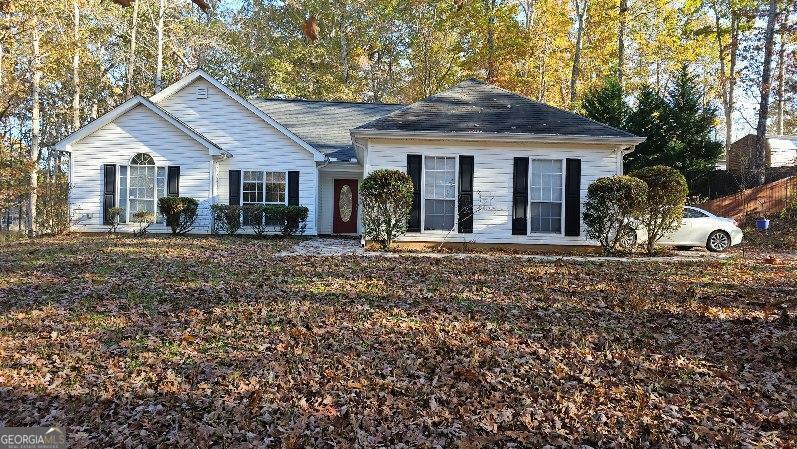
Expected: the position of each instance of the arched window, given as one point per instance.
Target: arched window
(142, 159)
(145, 184)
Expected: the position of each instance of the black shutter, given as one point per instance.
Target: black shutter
(109, 191)
(573, 197)
(414, 167)
(465, 195)
(173, 181)
(235, 188)
(520, 195)
(293, 188)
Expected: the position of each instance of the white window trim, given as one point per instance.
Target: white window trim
(423, 193)
(241, 192)
(127, 187)
(529, 201)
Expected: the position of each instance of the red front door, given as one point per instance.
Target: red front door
(344, 217)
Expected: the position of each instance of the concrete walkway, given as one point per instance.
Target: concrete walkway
(324, 246)
(331, 246)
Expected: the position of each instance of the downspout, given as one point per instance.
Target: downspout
(214, 179)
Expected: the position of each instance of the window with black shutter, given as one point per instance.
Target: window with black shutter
(414, 167)
(235, 187)
(520, 195)
(109, 191)
(465, 195)
(573, 197)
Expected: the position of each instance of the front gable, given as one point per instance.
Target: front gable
(158, 119)
(203, 102)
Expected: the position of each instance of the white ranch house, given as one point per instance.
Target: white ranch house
(523, 166)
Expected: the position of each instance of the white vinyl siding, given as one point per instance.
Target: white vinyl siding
(137, 131)
(254, 143)
(492, 181)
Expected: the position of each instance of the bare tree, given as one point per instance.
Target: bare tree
(490, 6)
(76, 66)
(782, 73)
(621, 41)
(727, 73)
(759, 165)
(132, 57)
(581, 18)
(35, 134)
(159, 63)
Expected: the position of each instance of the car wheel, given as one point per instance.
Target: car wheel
(718, 241)
(627, 238)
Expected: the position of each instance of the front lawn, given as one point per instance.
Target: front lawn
(201, 342)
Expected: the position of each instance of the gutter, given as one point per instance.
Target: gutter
(501, 137)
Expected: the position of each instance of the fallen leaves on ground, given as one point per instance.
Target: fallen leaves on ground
(208, 342)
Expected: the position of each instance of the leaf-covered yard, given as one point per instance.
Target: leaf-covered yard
(216, 342)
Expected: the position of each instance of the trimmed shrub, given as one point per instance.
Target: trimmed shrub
(289, 219)
(387, 200)
(613, 204)
(114, 215)
(253, 217)
(180, 213)
(226, 218)
(664, 205)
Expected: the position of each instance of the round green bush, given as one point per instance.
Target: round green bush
(387, 200)
(613, 203)
(664, 205)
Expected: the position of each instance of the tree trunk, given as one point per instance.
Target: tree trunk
(734, 48)
(490, 6)
(621, 42)
(759, 164)
(782, 74)
(75, 68)
(159, 66)
(581, 14)
(132, 56)
(727, 74)
(35, 134)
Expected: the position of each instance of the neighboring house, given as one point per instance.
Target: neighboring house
(781, 151)
(493, 166)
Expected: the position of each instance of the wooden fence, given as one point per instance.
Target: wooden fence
(767, 200)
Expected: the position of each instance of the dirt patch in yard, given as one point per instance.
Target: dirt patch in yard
(216, 342)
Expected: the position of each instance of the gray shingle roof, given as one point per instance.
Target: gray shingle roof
(324, 124)
(473, 106)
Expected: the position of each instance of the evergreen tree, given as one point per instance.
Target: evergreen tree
(646, 120)
(606, 104)
(678, 130)
(689, 122)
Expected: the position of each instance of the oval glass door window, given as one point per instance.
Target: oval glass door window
(345, 203)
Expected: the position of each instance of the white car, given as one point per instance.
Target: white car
(700, 228)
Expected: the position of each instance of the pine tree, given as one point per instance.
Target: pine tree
(606, 104)
(690, 122)
(646, 120)
(677, 128)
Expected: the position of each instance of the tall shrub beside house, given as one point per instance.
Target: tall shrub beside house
(612, 205)
(664, 206)
(387, 200)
